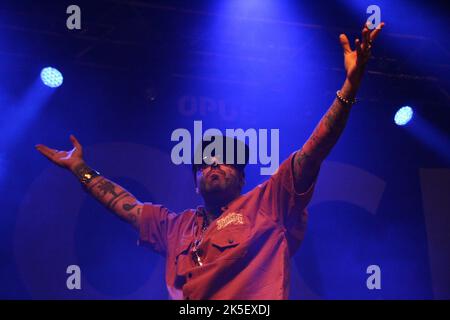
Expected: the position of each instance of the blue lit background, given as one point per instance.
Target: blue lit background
(135, 73)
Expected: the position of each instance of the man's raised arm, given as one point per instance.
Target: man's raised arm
(308, 159)
(110, 194)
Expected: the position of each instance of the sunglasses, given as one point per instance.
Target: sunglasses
(212, 161)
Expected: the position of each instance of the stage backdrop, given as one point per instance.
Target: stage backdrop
(134, 74)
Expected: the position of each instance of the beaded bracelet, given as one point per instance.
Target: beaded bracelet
(343, 100)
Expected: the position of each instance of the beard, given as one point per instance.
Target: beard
(216, 181)
(219, 185)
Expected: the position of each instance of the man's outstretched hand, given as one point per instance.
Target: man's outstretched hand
(356, 60)
(66, 159)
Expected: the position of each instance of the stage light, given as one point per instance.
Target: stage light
(51, 77)
(403, 115)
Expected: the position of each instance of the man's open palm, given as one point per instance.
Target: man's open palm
(65, 159)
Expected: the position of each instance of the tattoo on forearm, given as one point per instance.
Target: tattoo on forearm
(128, 207)
(322, 140)
(328, 130)
(91, 187)
(133, 217)
(113, 201)
(107, 187)
(113, 196)
(337, 116)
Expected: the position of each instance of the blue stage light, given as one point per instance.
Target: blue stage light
(51, 77)
(403, 115)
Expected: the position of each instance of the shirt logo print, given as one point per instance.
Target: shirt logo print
(232, 218)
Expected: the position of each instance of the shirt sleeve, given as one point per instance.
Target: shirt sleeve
(285, 203)
(154, 226)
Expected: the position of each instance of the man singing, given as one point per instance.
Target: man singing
(235, 246)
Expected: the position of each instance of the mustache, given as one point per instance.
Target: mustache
(215, 170)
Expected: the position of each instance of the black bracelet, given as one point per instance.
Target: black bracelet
(343, 100)
(86, 174)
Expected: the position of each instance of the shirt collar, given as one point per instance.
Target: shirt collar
(201, 211)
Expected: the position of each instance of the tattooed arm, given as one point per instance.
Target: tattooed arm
(308, 160)
(111, 195)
